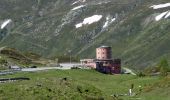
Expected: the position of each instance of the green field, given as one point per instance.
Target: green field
(82, 85)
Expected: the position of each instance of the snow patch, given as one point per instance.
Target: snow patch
(89, 20)
(168, 15)
(78, 7)
(103, 2)
(92, 19)
(108, 22)
(78, 2)
(160, 6)
(113, 19)
(79, 25)
(160, 16)
(5, 23)
(75, 2)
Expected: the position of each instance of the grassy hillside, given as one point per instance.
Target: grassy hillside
(82, 85)
(12, 57)
(48, 28)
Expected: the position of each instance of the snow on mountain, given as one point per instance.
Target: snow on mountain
(5, 23)
(108, 21)
(160, 6)
(168, 15)
(113, 19)
(89, 20)
(105, 2)
(78, 7)
(78, 1)
(79, 25)
(75, 2)
(160, 16)
(164, 14)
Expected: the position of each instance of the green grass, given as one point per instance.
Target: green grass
(134, 37)
(80, 85)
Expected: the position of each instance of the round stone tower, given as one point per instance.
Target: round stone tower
(103, 53)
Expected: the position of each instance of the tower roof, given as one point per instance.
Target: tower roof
(104, 46)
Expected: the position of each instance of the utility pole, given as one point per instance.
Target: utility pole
(70, 58)
(69, 51)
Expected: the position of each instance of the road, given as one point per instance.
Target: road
(127, 70)
(38, 69)
(64, 66)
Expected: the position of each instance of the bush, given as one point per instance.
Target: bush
(141, 74)
(163, 67)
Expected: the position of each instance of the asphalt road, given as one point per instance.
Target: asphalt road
(63, 66)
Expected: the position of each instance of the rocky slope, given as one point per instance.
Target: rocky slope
(137, 30)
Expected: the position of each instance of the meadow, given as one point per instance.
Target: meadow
(80, 84)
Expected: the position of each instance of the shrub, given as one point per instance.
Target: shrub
(163, 67)
(140, 74)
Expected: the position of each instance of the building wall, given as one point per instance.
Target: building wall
(103, 62)
(117, 66)
(88, 63)
(103, 52)
(109, 66)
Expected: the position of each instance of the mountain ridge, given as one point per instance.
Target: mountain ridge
(49, 28)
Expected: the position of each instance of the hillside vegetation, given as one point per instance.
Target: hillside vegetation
(13, 57)
(83, 85)
(48, 28)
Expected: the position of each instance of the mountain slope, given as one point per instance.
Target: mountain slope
(50, 28)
